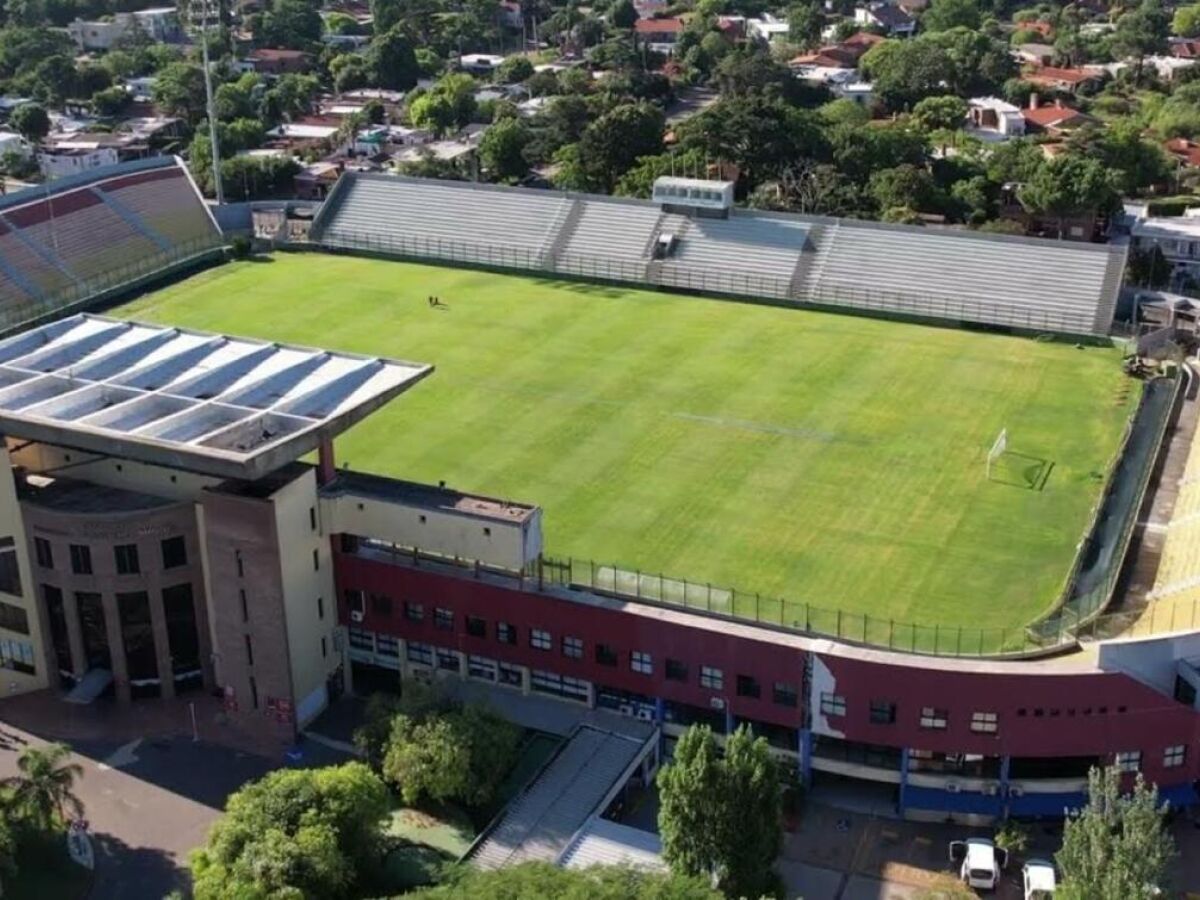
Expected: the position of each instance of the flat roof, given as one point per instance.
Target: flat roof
(210, 403)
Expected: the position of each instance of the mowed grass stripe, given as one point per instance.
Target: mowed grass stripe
(828, 459)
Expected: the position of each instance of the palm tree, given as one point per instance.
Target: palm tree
(45, 784)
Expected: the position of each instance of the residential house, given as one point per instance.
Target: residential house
(1034, 54)
(160, 24)
(141, 89)
(1044, 29)
(767, 29)
(650, 9)
(913, 7)
(271, 61)
(1184, 48)
(70, 154)
(860, 42)
(732, 28)
(482, 64)
(833, 57)
(660, 35)
(992, 119)
(1055, 119)
(1186, 153)
(1176, 237)
(892, 19)
(315, 180)
(1068, 81)
(13, 143)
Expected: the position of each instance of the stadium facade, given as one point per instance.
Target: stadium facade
(161, 533)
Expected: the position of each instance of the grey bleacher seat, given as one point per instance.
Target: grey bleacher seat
(37, 271)
(168, 206)
(446, 220)
(611, 232)
(1035, 284)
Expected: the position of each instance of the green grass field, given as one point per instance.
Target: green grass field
(824, 458)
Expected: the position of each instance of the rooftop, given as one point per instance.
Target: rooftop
(424, 495)
(192, 400)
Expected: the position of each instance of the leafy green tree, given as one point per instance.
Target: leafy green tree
(296, 833)
(111, 101)
(542, 881)
(610, 146)
(514, 69)
(805, 21)
(53, 79)
(179, 91)
(291, 24)
(22, 49)
(8, 844)
(1066, 186)
(905, 186)
(942, 15)
(721, 816)
(349, 71)
(31, 121)
(844, 111)
(1140, 33)
(622, 14)
(45, 788)
(392, 61)
(946, 112)
(502, 150)
(904, 72)
(752, 70)
(1134, 162)
(639, 181)
(1118, 846)
(1186, 21)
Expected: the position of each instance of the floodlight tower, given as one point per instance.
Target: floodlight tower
(203, 14)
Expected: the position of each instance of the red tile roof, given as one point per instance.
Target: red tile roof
(1055, 75)
(1184, 150)
(1056, 116)
(658, 26)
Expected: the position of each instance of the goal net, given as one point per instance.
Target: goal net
(998, 448)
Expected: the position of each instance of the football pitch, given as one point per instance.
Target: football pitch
(828, 459)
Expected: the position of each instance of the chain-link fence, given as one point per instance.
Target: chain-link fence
(15, 315)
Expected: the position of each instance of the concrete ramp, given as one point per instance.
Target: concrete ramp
(90, 686)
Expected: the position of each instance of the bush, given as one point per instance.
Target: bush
(240, 247)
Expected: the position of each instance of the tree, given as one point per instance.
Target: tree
(904, 72)
(45, 788)
(542, 881)
(903, 187)
(111, 101)
(449, 104)
(610, 146)
(291, 24)
(945, 112)
(943, 15)
(461, 755)
(392, 61)
(721, 817)
(296, 833)
(349, 71)
(1118, 846)
(53, 79)
(1068, 185)
(179, 91)
(1186, 21)
(1140, 33)
(622, 14)
(502, 150)
(514, 69)
(805, 21)
(31, 121)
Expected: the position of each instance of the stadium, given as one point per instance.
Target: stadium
(670, 459)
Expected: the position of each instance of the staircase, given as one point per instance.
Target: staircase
(560, 232)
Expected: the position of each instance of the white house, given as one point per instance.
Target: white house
(992, 119)
(767, 29)
(1178, 237)
(480, 63)
(11, 142)
(160, 24)
(63, 159)
(141, 89)
(892, 19)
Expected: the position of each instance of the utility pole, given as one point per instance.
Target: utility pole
(209, 10)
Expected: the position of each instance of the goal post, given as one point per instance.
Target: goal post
(998, 448)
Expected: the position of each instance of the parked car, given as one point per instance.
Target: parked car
(981, 862)
(1039, 880)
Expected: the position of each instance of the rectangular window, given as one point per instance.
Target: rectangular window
(713, 679)
(320, 607)
(448, 660)
(126, 556)
(237, 558)
(539, 639)
(253, 692)
(14, 618)
(785, 694)
(748, 687)
(443, 618)
(361, 640)
(934, 718)
(505, 633)
(573, 647)
(985, 722)
(174, 552)
(476, 627)
(245, 607)
(387, 645)
(414, 612)
(676, 670)
(312, 518)
(482, 668)
(1173, 756)
(10, 569)
(832, 704)
(356, 601)
(883, 712)
(17, 656)
(81, 559)
(1129, 761)
(249, 650)
(324, 648)
(606, 655)
(45, 556)
(641, 663)
(420, 653)
(559, 685)
(510, 674)
(316, 561)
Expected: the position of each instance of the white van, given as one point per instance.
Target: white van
(981, 862)
(1039, 880)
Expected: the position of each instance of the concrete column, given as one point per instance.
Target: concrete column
(730, 721)
(405, 671)
(116, 648)
(1005, 773)
(74, 634)
(326, 464)
(162, 644)
(804, 749)
(525, 680)
(900, 802)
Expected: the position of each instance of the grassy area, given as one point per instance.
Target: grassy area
(445, 828)
(824, 458)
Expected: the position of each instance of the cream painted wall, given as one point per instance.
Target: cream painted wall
(302, 585)
(117, 473)
(11, 525)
